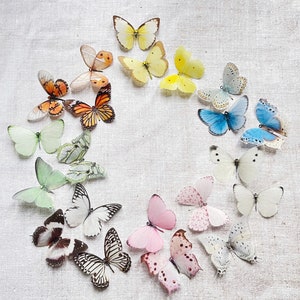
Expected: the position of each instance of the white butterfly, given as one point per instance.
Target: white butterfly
(238, 242)
(246, 167)
(232, 84)
(95, 266)
(266, 202)
(83, 213)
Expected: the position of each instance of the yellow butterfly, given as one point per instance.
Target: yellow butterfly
(145, 34)
(187, 68)
(154, 65)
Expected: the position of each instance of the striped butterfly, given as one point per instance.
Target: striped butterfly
(95, 266)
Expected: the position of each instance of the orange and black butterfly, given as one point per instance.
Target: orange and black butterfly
(54, 105)
(90, 115)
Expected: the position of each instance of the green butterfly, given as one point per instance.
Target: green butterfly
(74, 152)
(48, 179)
(84, 170)
(26, 141)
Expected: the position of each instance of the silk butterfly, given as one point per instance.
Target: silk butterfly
(181, 261)
(266, 202)
(82, 213)
(233, 84)
(238, 243)
(271, 130)
(145, 34)
(187, 68)
(219, 123)
(154, 65)
(95, 266)
(246, 167)
(53, 106)
(96, 62)
(159, 218)
(205, 215)
(50, 235)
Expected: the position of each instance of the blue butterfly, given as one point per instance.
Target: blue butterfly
(219, 123)
(271, 129)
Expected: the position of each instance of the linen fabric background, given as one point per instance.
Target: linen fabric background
(156, 144)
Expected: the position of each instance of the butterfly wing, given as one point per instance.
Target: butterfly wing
(52, 107)
(51, 134)
(189, 196)
(218, 98)
(181, 82)
(204, 187)
(240, 241)
(232, 82)
(216, 247)
(146, 33)
(125, 33)
(81, 82)
(225, 165)
(59, 88)
(245, 199)
(236, 115)
(159, 215)
(155, 61)
(216, 121)
(216, 216)
(199, 220)
(268, 200)
(91, 264)
(248, 164)
(25, 140)
(185, 65)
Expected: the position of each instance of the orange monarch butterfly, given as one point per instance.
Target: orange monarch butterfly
(54, 105)
(90, 115)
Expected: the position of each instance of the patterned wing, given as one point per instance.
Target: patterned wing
(232, 82)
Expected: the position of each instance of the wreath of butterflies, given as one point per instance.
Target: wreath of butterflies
(225, 114)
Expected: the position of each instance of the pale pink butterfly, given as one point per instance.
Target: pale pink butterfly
(159, 218)
(181, 261)
(204, 215)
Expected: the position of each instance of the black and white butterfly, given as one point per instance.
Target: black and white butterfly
(50, 235)
(83, 213)
(95, 266)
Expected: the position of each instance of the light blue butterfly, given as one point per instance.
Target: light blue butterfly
(233, 84)
(271, 130)
(219, 123)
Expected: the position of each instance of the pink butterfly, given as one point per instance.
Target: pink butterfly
(50, 235)
(159, 217)
(181, 261)
(204, 215)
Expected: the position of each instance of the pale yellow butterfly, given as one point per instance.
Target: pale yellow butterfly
(154, 65)
(126, 34)
(187, 68)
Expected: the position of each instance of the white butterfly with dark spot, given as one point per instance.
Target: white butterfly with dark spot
(246, 167)
(265, 202)
(95, 266)
(238, 242)
(83, 213)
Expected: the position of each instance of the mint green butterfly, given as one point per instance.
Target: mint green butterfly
(26, 141)
(74, 152)
(49, 179)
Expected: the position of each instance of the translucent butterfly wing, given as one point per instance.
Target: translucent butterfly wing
(218, 98)
(157, 64)
(124, 32)
(268, 200)
(146, 33)
(232, 82)
(216, 216)
(25, 140)
(181, 82)
(245, 199)
(159, 215)
(204, 187)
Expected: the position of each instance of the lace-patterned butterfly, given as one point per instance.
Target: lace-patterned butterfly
(181, 261)
(126, 34)
(58, 248)
(95, 266)
(238, 243)
(233, 84)
(159, 217)
(52, 107)
(271, 131)
(96, 62)
(82, 213)
(90, 115)
(205, 215)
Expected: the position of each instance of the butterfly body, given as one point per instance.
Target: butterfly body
(219, 123)
(271, 130)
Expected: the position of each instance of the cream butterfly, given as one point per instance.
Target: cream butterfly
(145, 34)
(187, 68)
(154, 65)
